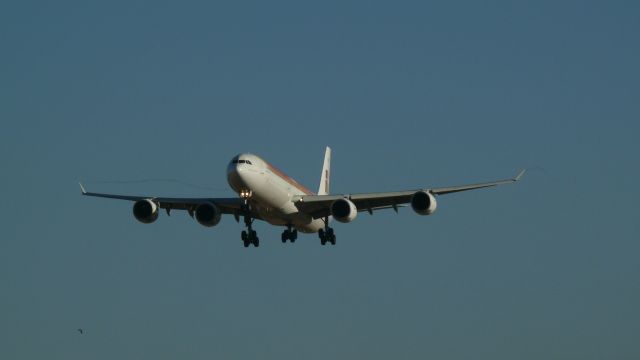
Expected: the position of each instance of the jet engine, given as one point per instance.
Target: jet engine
(344, 210)
(208, 214)
(145, 211)
(424, 203)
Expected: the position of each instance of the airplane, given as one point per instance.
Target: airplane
(266, 193)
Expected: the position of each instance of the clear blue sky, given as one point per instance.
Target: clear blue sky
(408, 94)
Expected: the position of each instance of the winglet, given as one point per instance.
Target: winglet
(82, 188)
(520, 175)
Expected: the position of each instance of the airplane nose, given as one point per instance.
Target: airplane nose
(240, 177)
(233, 175)
(234, 178)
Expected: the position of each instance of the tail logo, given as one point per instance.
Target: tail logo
(326, 181)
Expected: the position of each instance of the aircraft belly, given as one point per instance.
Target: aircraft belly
(311, 227)
(272, 200)
(284, 215)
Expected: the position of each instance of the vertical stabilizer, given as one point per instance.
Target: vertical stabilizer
(326, 173)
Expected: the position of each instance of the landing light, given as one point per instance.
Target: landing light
(245, 194)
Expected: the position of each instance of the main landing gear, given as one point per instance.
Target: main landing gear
(289, 234)
(326, 234)
(249, 236)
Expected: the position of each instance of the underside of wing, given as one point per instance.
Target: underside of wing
(422, 200)
(452, 189)
(319, 206)
(224, 205)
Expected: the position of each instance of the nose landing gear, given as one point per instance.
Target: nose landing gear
(249, 236)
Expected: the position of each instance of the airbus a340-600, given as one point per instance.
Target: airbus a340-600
(266, 193)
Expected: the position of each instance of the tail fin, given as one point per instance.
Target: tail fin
(326, 173)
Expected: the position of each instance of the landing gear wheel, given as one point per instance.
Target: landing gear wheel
(249, 236)
(327, 236)
(331, 237)
(289, 234)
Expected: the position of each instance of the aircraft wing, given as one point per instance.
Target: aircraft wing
(318, 205)
(226, 205)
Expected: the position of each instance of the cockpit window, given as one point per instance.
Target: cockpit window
(236, 161)
(249, 162)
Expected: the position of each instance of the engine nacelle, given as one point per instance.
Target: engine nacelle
(344, 210)
(145, 211)
(424, 203)
(208, 214)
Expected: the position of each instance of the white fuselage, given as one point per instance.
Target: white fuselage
(271, 192)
